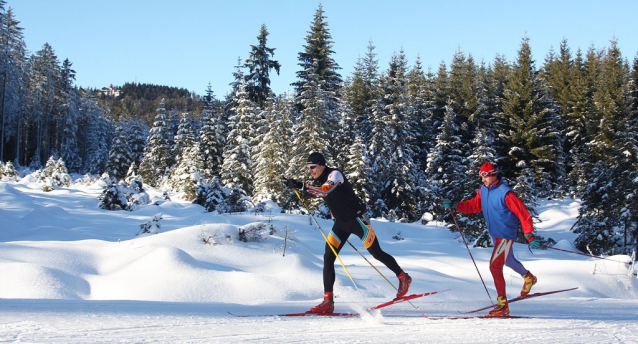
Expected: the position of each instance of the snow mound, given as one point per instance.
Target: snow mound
(26, 280)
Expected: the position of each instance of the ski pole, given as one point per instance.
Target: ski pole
(582, 254)
(468, 251)
(331, 247)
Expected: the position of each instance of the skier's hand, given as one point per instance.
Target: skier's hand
(447, 204)
(293, 184)
(534, 242)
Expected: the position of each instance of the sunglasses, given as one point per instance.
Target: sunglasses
(312, 167)
(485, 174)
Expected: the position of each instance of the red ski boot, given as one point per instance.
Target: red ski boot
(502, 309)
(326, 306)
(404, 284)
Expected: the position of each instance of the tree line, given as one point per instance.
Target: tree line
(406, 137)
(140, 100)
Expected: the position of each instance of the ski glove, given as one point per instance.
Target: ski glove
(533, 241)
(293, 184)
(447, 204)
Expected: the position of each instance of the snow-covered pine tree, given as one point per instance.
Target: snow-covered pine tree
(362, 90)
(605, 223)
(496, 78)
(259, 64)
(273, 152)
(575, 134)
(401, 188)
(237, 156)
(13, 64)
(211, 140)
(10, 174)
(184, 137)
(318, 66)
(137, 134)
(120, 155)
(99, 133)
(152, 226)
(446, 166)
(113, 197)
(420, 102)
(356, 169)
(185, 176)
(628, 147)
(70, 113)
(131, 174)
(313, 132)
(173, 127)
(464, 84)
(42, 108)
(210, 195)
(347, 129)
(379, 154)
(61, 174)
(157, 159)
(529, 126)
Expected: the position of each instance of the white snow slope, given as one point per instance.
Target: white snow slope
(73, 273)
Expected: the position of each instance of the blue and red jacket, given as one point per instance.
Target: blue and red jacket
(502, 210)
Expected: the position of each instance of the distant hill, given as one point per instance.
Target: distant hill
(142, 100)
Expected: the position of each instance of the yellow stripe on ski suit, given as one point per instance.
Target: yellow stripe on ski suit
(367, 238)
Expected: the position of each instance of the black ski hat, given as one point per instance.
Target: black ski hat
(316, 158)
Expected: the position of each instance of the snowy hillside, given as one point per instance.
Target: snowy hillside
(74, 273)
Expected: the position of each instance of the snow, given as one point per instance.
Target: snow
(74, 273)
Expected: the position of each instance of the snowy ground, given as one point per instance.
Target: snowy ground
(73, 273)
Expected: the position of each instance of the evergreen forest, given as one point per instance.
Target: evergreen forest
(405, 136)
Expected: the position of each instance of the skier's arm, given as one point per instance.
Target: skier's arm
(518, 208)
(334, 179)
(472, 205)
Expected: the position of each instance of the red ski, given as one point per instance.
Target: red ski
(347, 315)
(305, 314)
(475, 317)
(529, 296)
(403, 299)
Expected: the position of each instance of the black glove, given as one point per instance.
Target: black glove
(293, 184)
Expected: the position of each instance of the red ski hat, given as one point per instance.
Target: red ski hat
(487, 170)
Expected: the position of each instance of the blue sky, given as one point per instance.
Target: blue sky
(191, 43)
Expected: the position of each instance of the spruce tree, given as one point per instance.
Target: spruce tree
(446, 165)
(317, 63)
(273, 153)
(157, 159)
(211, 140)
(401, 187)
(606, 223)
(419, 95)
(120, 155)
(313, 129)
(529, 125)
(136, 135)
(13, 71)
(237, 165)
(99, 133)
(259, 64)
(41, 104)
(185, 175)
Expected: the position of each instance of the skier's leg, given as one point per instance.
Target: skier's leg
(337, 238)
(502, 248)
(365, 232)
(514, 264)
